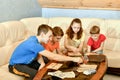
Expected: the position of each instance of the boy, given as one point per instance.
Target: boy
(53, 43)
(96, 41)
(23, 60)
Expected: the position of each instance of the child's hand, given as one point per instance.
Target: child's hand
(85, 59)
(78, 60)
(75, 50)
(41, 66)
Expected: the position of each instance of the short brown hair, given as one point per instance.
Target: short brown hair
(57, 31)
(95, 30)
(43, 28)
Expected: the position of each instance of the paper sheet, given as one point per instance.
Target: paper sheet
(62, 75)
(55, 66)
(84, 67)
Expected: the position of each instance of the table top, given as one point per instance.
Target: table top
(97, 76)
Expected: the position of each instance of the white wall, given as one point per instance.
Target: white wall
(17, 9)
(89, 13)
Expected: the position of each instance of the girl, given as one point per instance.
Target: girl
(74, 38)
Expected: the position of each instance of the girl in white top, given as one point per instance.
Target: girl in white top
(74, 38)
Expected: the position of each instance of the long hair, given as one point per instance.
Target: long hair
(70, 32)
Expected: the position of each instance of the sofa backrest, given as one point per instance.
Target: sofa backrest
(3, 40)
(15, 32)
(32, 24)
(113, 35)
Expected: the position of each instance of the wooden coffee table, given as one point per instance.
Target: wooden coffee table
(97, 76)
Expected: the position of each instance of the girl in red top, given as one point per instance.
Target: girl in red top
(96, 41)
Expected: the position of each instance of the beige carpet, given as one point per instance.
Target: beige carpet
(111, 77)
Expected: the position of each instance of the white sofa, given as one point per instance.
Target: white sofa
(14, 32)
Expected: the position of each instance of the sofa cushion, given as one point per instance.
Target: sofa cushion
(112, 44)
(3, 35)
(6, 75)
(4, 52)
(113, 58)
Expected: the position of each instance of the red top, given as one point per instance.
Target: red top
(50, 46)
(96, 44)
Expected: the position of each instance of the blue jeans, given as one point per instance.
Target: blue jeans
(100, 52)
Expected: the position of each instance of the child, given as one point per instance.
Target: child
(74, 38)
(96, 41)
(53, 43)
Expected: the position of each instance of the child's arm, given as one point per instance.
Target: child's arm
(82, 42)
(59, 52)
(41, 61)
(80, 46)
(88, 49)
(58, 57)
